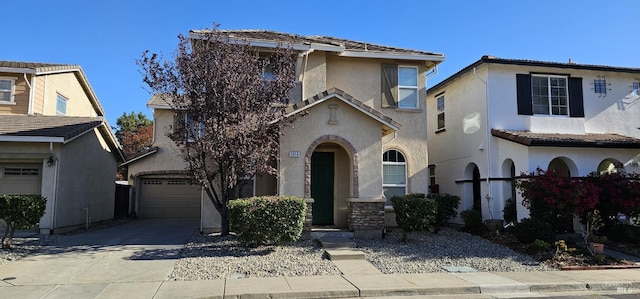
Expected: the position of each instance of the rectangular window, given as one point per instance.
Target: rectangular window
(549, 95)
(6, 90)
(440, 112)
(61, 105)
(191, 128)
(20, 171)
(399, 86)
(600, 86)
(407, 87)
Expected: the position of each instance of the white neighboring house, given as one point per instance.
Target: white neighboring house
(497, 118)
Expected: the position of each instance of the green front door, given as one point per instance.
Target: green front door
(322, 187)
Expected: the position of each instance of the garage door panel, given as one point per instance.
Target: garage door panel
(20, 179)
(168, 198)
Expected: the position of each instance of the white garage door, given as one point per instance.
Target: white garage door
(20, 179)
(168, 198)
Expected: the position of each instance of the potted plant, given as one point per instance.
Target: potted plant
(593, 222)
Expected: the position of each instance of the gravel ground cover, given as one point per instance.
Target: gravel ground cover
(428, 252)
(215, 257)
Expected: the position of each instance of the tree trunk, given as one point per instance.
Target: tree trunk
(224, 221)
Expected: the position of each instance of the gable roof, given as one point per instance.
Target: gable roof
(56, 129)
(343, 47)
(388, 124)
(603, 140)
(523, 62)
(38, 68)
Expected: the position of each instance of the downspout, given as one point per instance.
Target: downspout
(488, 140)
(55, 189)
(31, 92)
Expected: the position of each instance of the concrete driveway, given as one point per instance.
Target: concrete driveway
(135, 251)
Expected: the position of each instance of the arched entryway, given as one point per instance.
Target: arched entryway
(510, 210)
(331, 180)
(563, 166)
(473, 191)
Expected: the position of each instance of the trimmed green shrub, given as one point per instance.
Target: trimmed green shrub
(447, 208)
(472, 218)
(621, 232)
(414, 212)
(268, 220)
(20, 212)
(530, 229)
(538, 246)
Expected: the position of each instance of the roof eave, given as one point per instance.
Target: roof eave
(17, 70)
(17, 138)
(396, 56)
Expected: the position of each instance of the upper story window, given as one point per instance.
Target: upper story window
(394, 174)
(186, 125)
(61, 105)
(440, 102)
(6, 90)
(549, 95)
(399, 86)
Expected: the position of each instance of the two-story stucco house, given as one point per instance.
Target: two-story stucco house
(55, 142)
(497, 118)
(361, 141)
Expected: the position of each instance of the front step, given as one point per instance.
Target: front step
(335, 243)
(345, 254)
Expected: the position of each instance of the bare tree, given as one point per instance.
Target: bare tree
(228, 100)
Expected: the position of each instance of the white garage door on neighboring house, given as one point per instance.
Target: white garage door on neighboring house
(168, 198)
(20, 179)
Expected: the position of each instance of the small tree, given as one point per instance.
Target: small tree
(229, 104)
(20, 212)
(135, 134)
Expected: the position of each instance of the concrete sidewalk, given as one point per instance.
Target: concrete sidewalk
(461, 285)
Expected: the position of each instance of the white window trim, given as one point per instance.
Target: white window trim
(444, 108)
(12, 91)
(66, 106)
(187, 122)
(406, 170)
(550, 110)
(416, 88)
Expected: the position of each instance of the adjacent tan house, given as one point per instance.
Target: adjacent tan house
(55, 142)
(361, 141)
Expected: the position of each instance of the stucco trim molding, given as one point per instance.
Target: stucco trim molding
(342, 142)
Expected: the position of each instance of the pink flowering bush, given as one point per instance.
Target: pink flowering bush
(555, 198)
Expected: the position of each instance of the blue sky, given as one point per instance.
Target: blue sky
(106, 37)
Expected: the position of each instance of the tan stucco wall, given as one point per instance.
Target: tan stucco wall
(361, 78)
(358, 129)
(20, 93)
(86, 178)
(67, 85)
(168, 155)
(315, 75)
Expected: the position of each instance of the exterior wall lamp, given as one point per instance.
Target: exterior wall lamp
(50, 161)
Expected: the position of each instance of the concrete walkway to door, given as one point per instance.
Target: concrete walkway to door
(136, 251)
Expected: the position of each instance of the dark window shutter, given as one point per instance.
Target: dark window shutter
(576, 101)
(523, 89)
(389, 85)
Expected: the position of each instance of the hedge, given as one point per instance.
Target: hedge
(267, 220)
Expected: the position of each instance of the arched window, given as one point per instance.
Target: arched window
(394, 174)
